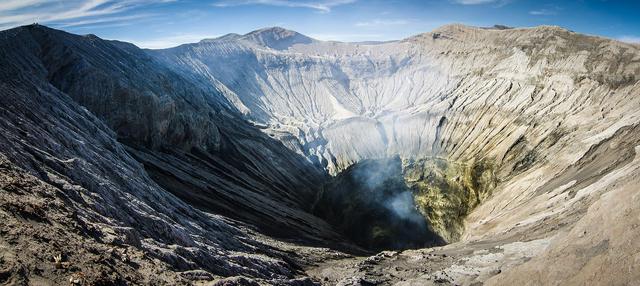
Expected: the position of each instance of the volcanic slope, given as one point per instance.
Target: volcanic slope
(79, 205)
(524, 133)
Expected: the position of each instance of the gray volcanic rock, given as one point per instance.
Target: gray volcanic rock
(548, 111)
(156, 112)
(70, 188)
(276, 38)
(343, 102)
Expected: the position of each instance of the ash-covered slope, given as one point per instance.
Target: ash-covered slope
(344, 102)
(511, 98)
(123, 213)
(506, 135)
(190, 141)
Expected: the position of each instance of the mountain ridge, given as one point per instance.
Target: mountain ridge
(444, 28)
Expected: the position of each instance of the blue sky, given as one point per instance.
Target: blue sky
(166, 23)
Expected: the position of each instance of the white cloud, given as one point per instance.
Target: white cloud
(104, 20)
(548, 10)
(92, 27)
(543, 12)
(381, 22)
(65, 13)
(629, 39)
(9, 5)
(319, 5)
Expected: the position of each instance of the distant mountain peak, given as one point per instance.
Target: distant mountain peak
(229, 36)
(275, 30)
(225, 37)
(277, 38)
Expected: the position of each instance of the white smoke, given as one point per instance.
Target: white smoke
(401, 203)
(404, 206)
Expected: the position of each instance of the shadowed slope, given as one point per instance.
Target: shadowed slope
(156, 112)
(69, 186)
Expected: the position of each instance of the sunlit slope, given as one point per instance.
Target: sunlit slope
(528, 103)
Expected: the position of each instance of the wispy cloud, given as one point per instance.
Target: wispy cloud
(67, 13)
(92, 27)
(629, 39)
(112, 20)
(548, 10)
(323, 6)
(542, 12)
(9, 5)
(382, 22)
